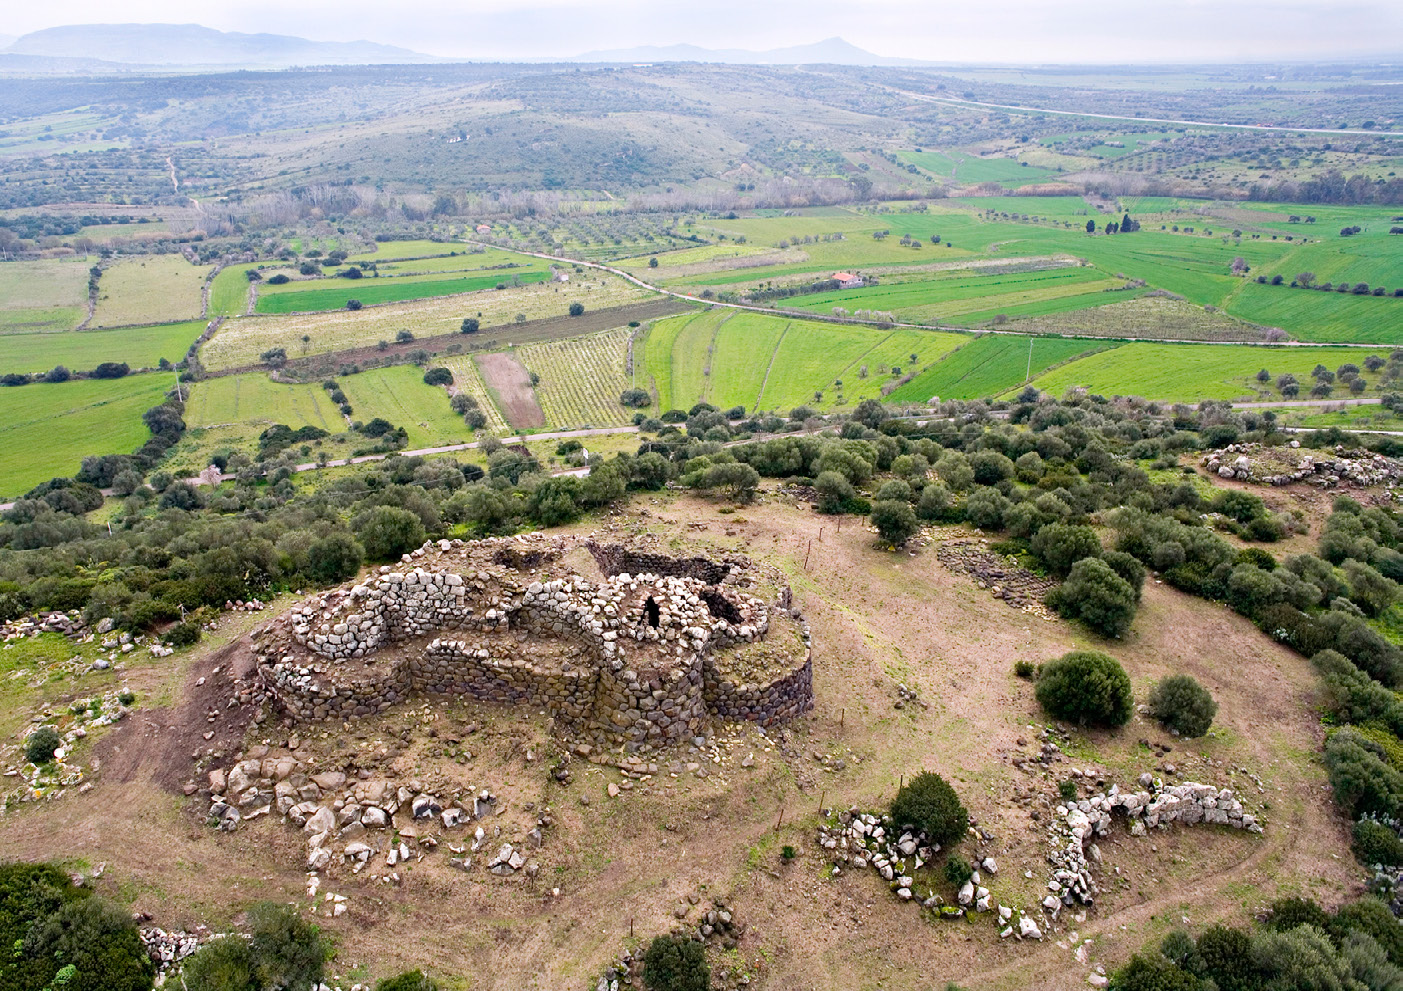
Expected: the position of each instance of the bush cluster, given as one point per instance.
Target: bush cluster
(929, 803)
(1087, 688)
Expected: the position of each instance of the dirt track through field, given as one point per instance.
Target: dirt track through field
(510, 385)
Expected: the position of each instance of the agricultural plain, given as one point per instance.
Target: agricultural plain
(46, 430)
(139, 347)
(42, 296)
(149, 289)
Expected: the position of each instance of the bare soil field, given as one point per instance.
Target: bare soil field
(655, 855)
(510, 385)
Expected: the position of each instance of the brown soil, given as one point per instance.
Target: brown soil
(511, 383)
(878, 620)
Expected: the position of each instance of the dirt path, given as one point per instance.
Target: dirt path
(510, 384)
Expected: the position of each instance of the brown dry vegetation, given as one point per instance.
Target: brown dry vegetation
(878, 620)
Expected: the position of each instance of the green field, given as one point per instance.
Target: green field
(42, 296)
(139, 347)
(759, 361)
(332, 294)
(989, 365)
(46, 430)
(1193, 372)
(255, 401)
(399, 395)
(963, 167)
(965, 297)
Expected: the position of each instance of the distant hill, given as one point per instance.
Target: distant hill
(830, 51)
(193, 45)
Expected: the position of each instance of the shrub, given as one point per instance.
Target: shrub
(929, 803)
(1097, 596)
(672, 963)
(957, 870)
(1375, 843)
(935, 502)
(577, 309)
(895, 521)
(184, 634)
(635, 398)
(1183, 705)
(412, 980)
(1086, 687)
(438, 376)
(334, 558)
(1362, 780)
(288, 952)
(224, 964)
(97, 943)
(834, 491)
(1061, 545)
(1025, 669)
(354, 304)
(1067, 790)
(386, 532)
(40, 747)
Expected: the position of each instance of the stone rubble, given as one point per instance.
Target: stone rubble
(1277, 466)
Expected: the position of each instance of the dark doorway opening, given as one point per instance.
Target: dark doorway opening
(652, 612)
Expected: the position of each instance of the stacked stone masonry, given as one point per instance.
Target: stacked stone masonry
(644, 653)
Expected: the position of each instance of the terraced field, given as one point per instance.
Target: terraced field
(989, 365)
(582, 379)
(150, 289)
(46, 430)
(240, 341)
(810, 358)
(400, 395)
(1194, 372)
(139, 347)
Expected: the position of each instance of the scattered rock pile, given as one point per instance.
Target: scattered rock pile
(168, 949)
(1002, 576)
(861, 840)
(341, 818)
(1289, 465)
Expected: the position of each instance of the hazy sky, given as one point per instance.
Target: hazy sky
(937, 30)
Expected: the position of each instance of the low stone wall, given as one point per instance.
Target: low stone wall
(766, 704)
(618, 559)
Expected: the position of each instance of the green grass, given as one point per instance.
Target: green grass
(228, 293)
(295, 297)
(989, 365)
(809, 359)
(42, 296)
(399, 395)
(969, 168)
(744, 345)
(390, 250)
(45, 430)
(255, 401)
(139, 347)
(955, 296)
(1192, 372)
(1323, 316)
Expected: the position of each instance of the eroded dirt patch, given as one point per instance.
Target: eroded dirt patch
(511, 383)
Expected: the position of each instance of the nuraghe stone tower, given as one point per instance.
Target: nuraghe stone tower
(621, 644)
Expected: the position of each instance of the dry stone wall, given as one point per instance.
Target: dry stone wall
(638, 658)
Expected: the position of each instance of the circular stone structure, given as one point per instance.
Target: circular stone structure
(620, 643)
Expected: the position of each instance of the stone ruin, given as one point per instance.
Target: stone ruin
(620, 644)
(1277, 466)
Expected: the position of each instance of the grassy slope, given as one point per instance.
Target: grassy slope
(255, 400)
(1191, 372)
(140, 347)
(45, 430)
(399, 395)
(987, 366)
(42, 296)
